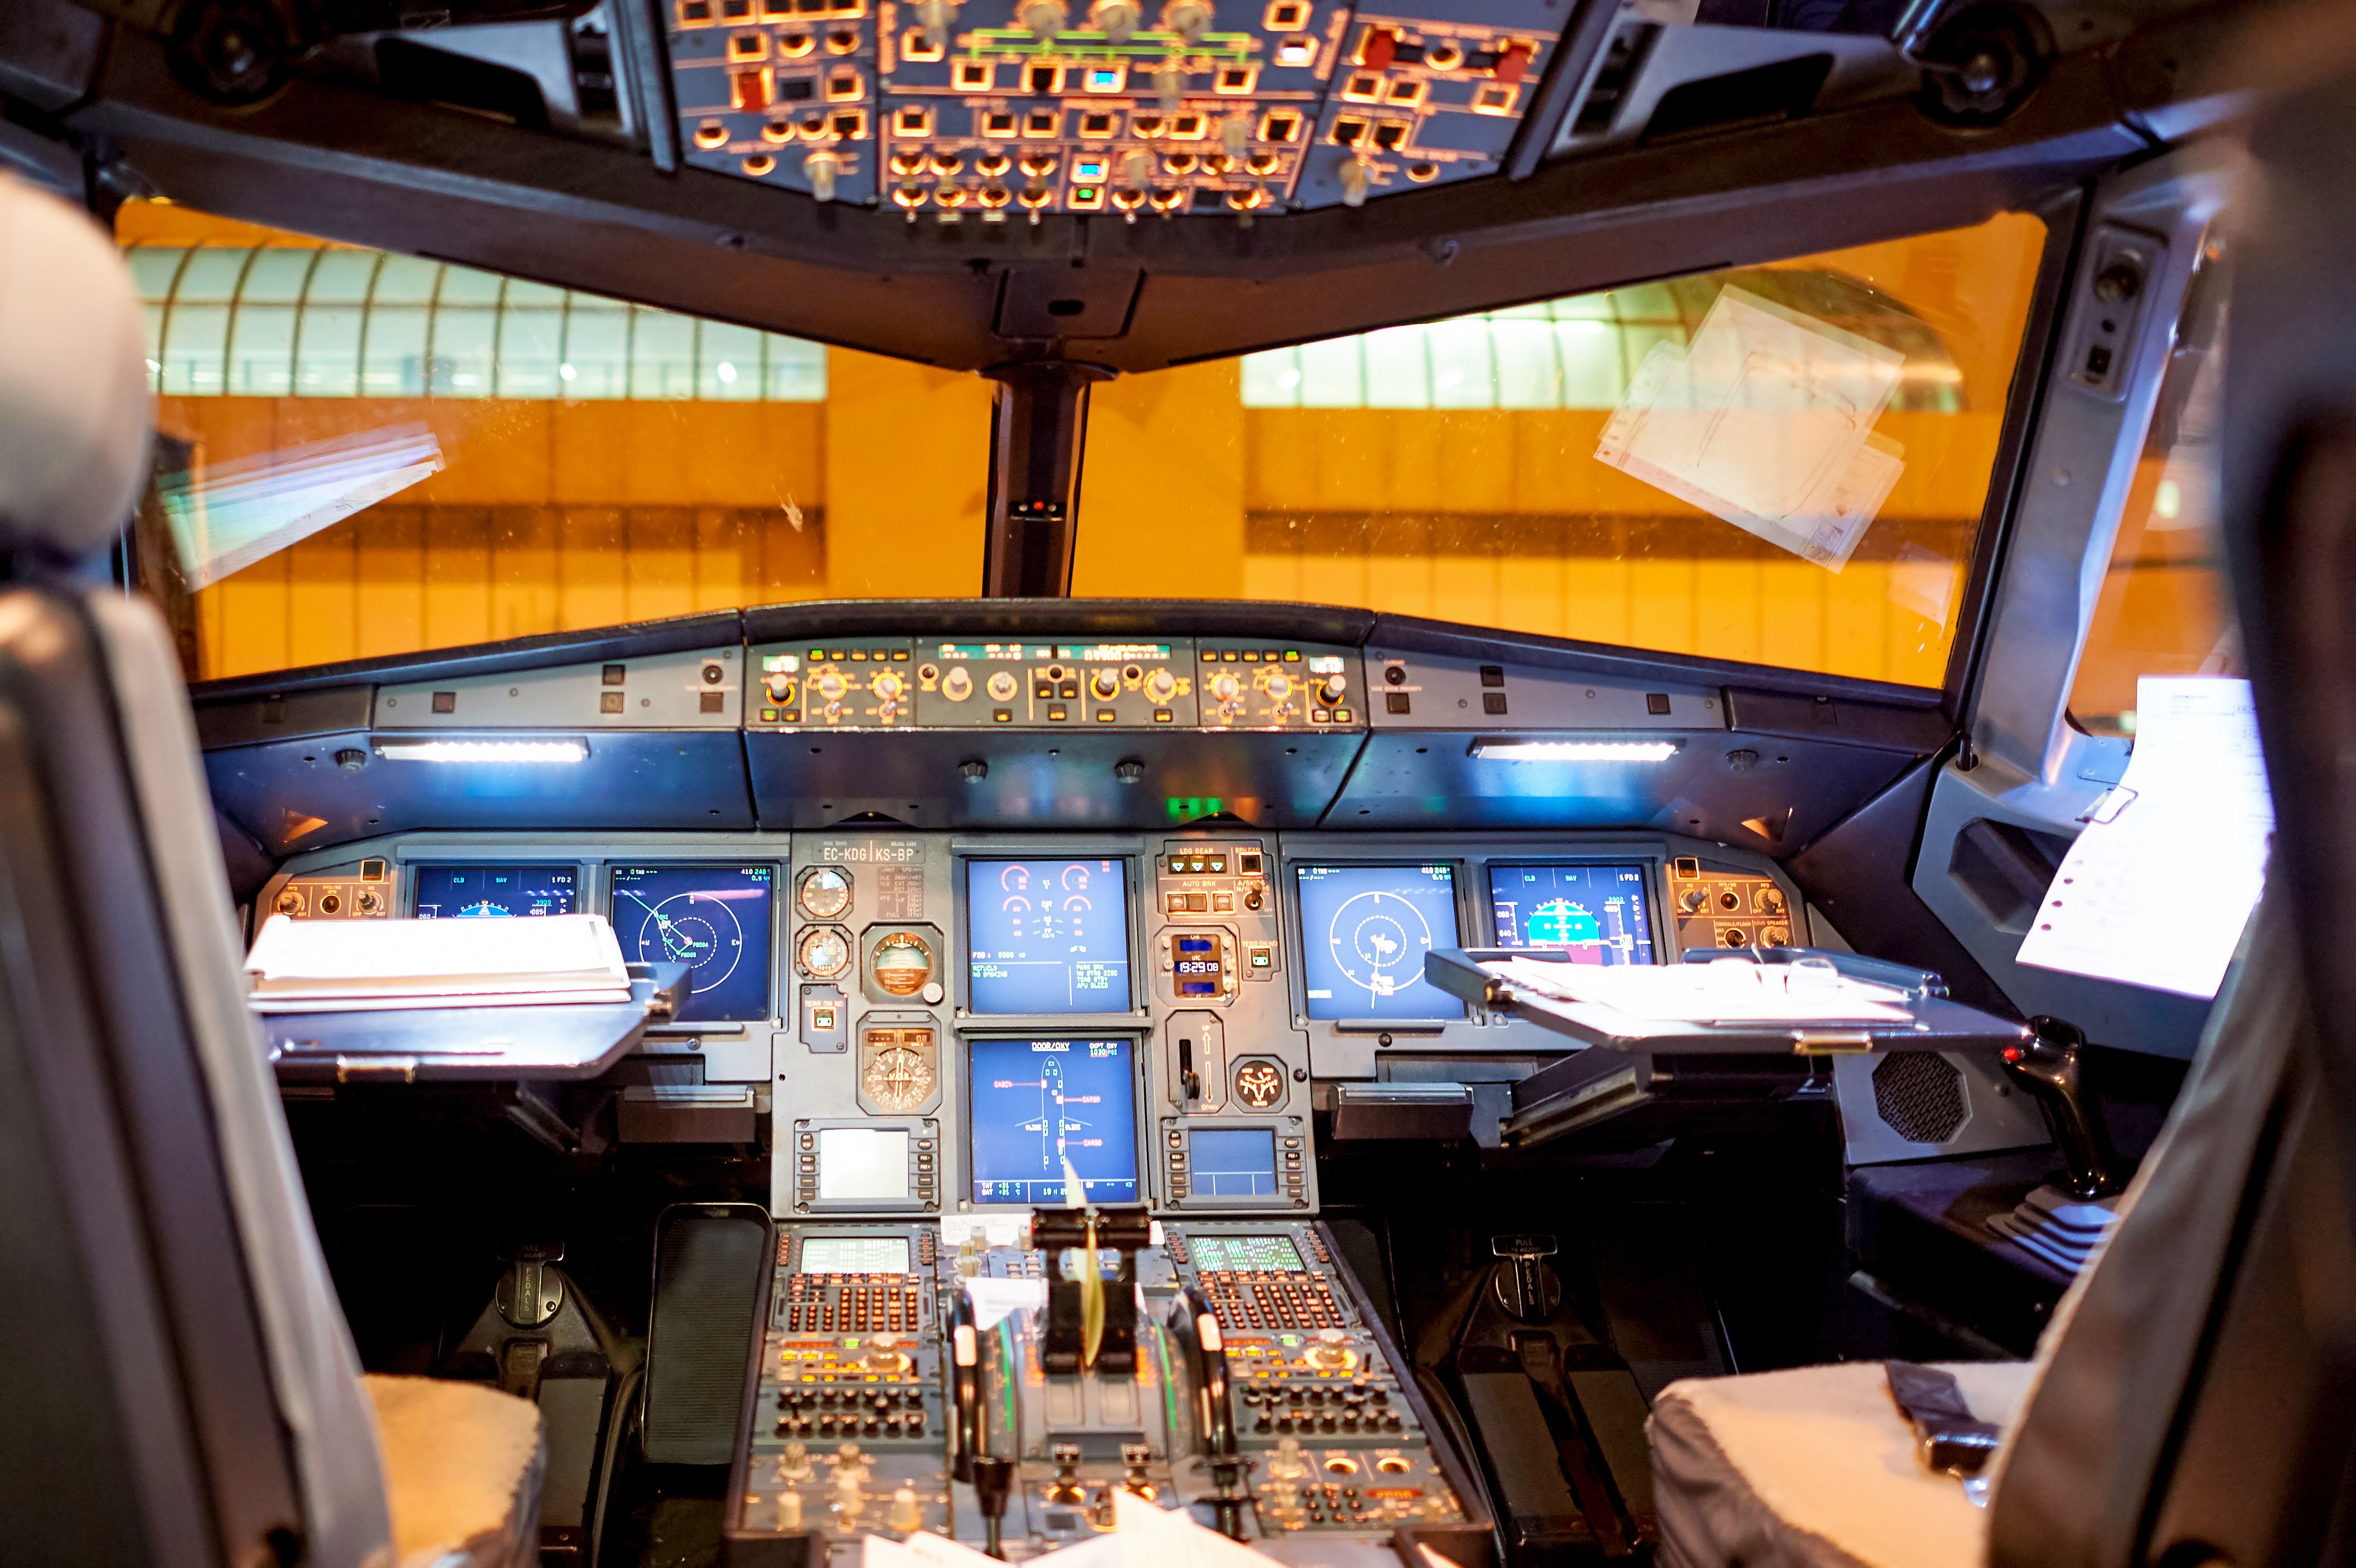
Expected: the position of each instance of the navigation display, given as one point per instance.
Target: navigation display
(1048, 935)
(479, 892)
(1596, 914)
(1364, 932)
(1036, 1104)
(1232, 1162)
(715, 918)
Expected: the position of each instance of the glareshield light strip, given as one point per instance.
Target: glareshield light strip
(567, 750)
(1575, 750)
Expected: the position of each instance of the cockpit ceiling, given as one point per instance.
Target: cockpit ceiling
(1615, 161)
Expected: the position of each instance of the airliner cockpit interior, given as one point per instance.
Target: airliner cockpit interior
(1361, 783)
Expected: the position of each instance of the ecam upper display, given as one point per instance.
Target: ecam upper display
(1048, 935)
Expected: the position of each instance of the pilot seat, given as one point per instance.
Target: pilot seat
(156, 1240)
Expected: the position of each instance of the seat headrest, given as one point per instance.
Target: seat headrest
(74, 406)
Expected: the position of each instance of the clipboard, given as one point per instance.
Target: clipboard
(1914, 1010)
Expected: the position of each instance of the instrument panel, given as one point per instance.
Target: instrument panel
(941, 1023)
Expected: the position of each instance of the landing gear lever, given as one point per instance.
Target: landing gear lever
(2051, 1067)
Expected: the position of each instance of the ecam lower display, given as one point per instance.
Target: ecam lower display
(1037, 1103)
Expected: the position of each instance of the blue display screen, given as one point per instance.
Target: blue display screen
(1035, 1104)
(1232, 1162)
(715, 918)
(1048, 935)
(1596, 914)
(1364, 932)
(478, 892)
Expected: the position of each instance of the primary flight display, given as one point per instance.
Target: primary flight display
(1595, 914)
(480, 892)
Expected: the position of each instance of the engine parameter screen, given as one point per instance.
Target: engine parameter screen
(1594, 913)
(715, 918)
(1036, 1104)
(1364, 932)
(490, 892)
(1048, 935)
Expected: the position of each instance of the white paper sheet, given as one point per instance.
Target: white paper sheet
(316, 965)
(1729, 991)
(995, 1299)
(2161, 880)
(1765, 420)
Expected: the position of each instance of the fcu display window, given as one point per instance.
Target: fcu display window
(1590, 914)
(1364, 930)
(714, 919)
(1038, 1108)
(1048, 935)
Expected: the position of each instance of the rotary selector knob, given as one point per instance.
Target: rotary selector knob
(956, 685)
(1106, 683)
(1043, 18)
(935, 17)
(1117, 19)
(1280, 685)
(1002, 686)
(1225, 688)
(1352, 176)
(1693, 900)
(830, 686)
(1190, 20)
(780, 688)
(1332, 689)
(1170, 86)
(888, 685)
(1161, 686)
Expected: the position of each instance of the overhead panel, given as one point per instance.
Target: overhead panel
(995, 109)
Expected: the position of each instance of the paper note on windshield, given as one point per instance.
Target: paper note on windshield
(1765, 420)
(2162, 878)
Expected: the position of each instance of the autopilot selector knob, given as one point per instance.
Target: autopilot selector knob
(1001, 686)
(956, 685)
(1161, 686)
(1106, 684)
(1333, 690)
(779, 685)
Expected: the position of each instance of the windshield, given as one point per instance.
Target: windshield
(371, 455)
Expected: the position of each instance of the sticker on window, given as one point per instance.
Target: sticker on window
(227, 516)
(1765, 420)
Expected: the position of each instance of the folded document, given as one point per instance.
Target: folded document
(336, 966)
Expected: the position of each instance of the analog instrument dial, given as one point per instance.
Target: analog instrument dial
(824, 951)
(898, 1079)
(824, 892)
(902, 963)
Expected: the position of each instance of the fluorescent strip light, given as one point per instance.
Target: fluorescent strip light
(1575, 750)
(483, 750)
